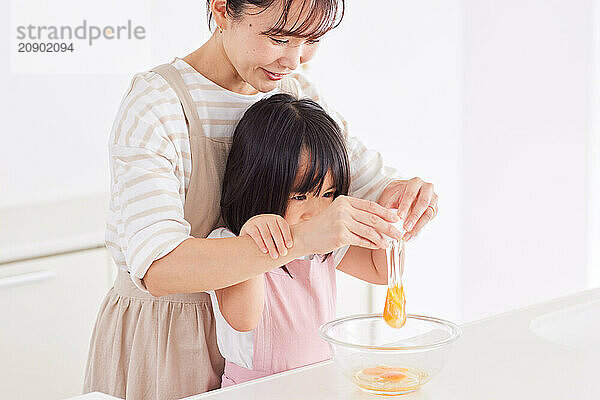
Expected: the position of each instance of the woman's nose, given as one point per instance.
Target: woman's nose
(292, 57)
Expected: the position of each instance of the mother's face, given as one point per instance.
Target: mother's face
(262, 60)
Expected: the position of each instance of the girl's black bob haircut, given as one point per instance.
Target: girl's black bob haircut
(318, 16)
(264, 159)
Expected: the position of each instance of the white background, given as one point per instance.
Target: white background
(495, 102)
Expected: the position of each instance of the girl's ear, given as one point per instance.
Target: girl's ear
(218, 8)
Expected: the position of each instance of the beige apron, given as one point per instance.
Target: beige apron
(144, 347)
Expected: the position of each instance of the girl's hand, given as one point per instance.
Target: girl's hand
(270, 232)
(413, 198)
(347, 221)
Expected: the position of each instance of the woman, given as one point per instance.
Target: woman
(155, 332)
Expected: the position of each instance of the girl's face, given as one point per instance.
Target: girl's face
(260, 60)
(303, 206)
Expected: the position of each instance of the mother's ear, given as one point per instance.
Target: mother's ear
(218, 9)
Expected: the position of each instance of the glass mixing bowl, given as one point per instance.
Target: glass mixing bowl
(383, 360)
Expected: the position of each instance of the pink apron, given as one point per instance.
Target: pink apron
(287, 335)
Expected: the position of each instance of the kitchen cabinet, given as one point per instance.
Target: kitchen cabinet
(49, 306)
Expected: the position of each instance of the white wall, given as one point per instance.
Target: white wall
(527, 79)
(594, 159)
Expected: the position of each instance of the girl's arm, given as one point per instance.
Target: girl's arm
(365, 264)
(242, 305)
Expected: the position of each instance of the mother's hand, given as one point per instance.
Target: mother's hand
(347, 221)
(413, 198)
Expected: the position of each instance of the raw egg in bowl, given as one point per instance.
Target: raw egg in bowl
(384, 360)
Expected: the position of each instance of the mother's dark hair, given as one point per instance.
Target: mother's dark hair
(322, 16)
(263, 162)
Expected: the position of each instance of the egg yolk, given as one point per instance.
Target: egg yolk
(387, 374)
(394, 312)
(385, 379)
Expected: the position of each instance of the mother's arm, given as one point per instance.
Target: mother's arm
(206, 264)
(199, 264)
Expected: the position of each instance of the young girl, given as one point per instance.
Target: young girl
(287, 164)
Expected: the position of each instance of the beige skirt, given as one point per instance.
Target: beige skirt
(144, 347)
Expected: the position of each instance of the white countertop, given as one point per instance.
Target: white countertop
(38, 230)
(496, 358)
